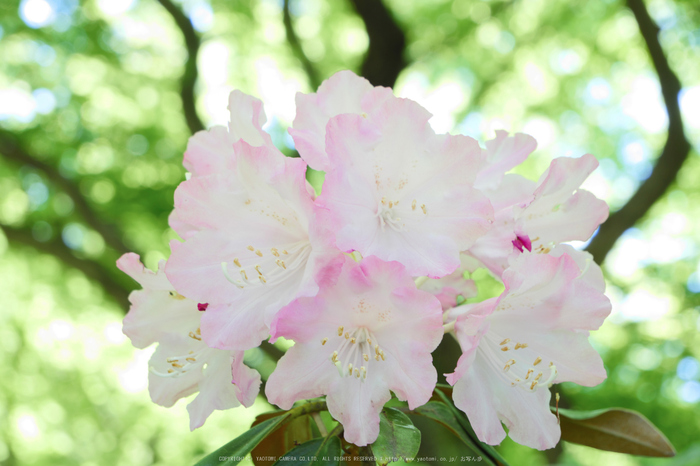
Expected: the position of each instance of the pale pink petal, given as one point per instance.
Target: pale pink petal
(357, 406)
(246, 380)
(341, 93)
(502, 154)
(209, 151)
(156, 309)
(247, 119)
(236, 327)
(216, 391)
(305, 371)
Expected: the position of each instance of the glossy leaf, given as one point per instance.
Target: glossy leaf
(316, 452)
(440, 413)
(398, 437)
(236, 450)
(619, 430)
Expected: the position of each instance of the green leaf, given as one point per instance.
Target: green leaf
(398, 437)
(440, 413)
(317, 452)
(236, 450)
(615, 429)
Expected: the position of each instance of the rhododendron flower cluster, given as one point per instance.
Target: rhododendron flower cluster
(369, 276)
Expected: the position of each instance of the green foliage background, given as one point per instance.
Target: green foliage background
(93, 175)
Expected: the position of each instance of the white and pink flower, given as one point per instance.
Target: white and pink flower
(367, 332)
(182, 364)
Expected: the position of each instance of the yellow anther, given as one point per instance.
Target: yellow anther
(352, 340)
(323, 342)
(520, 345)
(334, 356)
(413, 205)
(551, 363)
(391, 204)
(262, 279)
(381, 354)
(504, 341)
(237, 262)
(369, 342)
(281, 263)
(357, 373)
(508, 364)
(170, 371)
(425, 211)
(384, 201)
(340, 330)
(376, 357)
(179, 366)
(349, 368)
(532, 385)
(176, 295)
(257, 268)
(537, 361)
(365, 357)
(275, 252)
(284, 251)
(251, 248)
(364, 372)
(244, 275)
(257, 251)
(539, 376)
(191, 359)
(529, 373)
(199, 332)
(172, 360)
(347, 335)
(504, 348)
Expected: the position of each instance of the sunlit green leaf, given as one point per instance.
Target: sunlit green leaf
(398, 437)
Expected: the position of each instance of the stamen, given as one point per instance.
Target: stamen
(347, 335)
(504, 341)
(176, 295)
(179, 366)
(257, 268)
(357, 373)
(391, 204)
(192, 335)
(537, 361)
(334, 356)
(251, 248)
(237, 262)
(224, 269)
(262, 279)
(275, 252)
(352, 340)
(190, 359)
(508, 364)
(284, 252)
(520, 345)
(413, 205)
(364, 372)
(529, 373)
(504, 348)
(244, 275)
(349, 368)
(257, 251)
(425, 211)
(365, 357)
(323, 342)
(340, 330)
(281, 263)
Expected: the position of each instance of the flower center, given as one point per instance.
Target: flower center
(388, 215)
(353, 352)
(514, 368)
(255, 267)
(179, 365)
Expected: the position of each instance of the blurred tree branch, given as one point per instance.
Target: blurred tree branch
(92, 269)
(674, 153)
(11, 150)
(387, 42)
(311, 71)
(189, 77)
